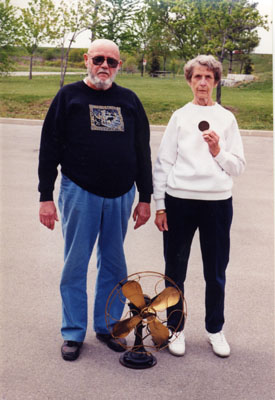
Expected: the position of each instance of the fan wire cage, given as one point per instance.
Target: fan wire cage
(147, 317)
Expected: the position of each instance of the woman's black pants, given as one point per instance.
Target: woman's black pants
(213, 220)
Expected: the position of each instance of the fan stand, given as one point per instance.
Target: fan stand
(141, 360)
(138, 357)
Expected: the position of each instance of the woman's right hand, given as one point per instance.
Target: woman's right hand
(161, 222)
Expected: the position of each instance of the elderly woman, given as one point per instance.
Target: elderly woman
(200, 152)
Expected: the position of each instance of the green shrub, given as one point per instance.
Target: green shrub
(49, 54)
(130, 65)
(76, 55)
(54, 63)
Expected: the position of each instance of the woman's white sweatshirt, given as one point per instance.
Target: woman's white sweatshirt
(185, 167)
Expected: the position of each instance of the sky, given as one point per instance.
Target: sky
(264, 7)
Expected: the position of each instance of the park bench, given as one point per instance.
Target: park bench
(160, 74)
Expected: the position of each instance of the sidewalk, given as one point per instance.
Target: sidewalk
(31, 263)
(154, 128)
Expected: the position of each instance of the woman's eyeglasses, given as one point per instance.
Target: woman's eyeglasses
(99, 60)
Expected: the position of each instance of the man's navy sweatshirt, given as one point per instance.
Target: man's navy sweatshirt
(101, 140)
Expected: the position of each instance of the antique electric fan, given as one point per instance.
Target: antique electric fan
(146, 317)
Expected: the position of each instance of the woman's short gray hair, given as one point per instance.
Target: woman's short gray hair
(208, 61)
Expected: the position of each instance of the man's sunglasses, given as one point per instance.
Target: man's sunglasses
(99, 60)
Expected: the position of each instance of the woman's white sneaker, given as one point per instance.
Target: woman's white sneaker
(219, 344)
(176, 344)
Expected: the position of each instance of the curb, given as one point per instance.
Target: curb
(244, 132)
(21, 121)
(156, 128)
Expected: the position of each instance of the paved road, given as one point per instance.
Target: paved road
(37, 73)
(31, 262)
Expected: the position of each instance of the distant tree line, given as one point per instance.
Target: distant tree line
(150, 29)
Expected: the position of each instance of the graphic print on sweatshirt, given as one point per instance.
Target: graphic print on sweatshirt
(106, 118)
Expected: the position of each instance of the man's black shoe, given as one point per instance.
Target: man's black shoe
(118, 344)
(70, 350)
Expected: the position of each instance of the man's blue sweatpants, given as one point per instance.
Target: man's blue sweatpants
(85, 219)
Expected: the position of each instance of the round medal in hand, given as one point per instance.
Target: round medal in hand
(203, 126)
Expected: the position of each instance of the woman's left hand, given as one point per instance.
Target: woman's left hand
(212, 139)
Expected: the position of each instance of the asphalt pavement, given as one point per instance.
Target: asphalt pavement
(31, 262)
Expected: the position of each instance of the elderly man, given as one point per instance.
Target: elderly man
(99, 134)
(200, 153)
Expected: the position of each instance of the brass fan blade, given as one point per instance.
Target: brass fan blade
(167, 298)
(132, 290)
(159, 332)
(123, 328)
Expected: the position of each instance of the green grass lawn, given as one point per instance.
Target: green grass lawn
(251, 103)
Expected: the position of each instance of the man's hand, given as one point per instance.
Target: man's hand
(212, 139)
(141, 214)
(161, 222)
(48, 214)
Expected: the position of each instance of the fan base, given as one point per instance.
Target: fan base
(137, 360)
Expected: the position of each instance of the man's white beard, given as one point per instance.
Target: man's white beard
(101, 84)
